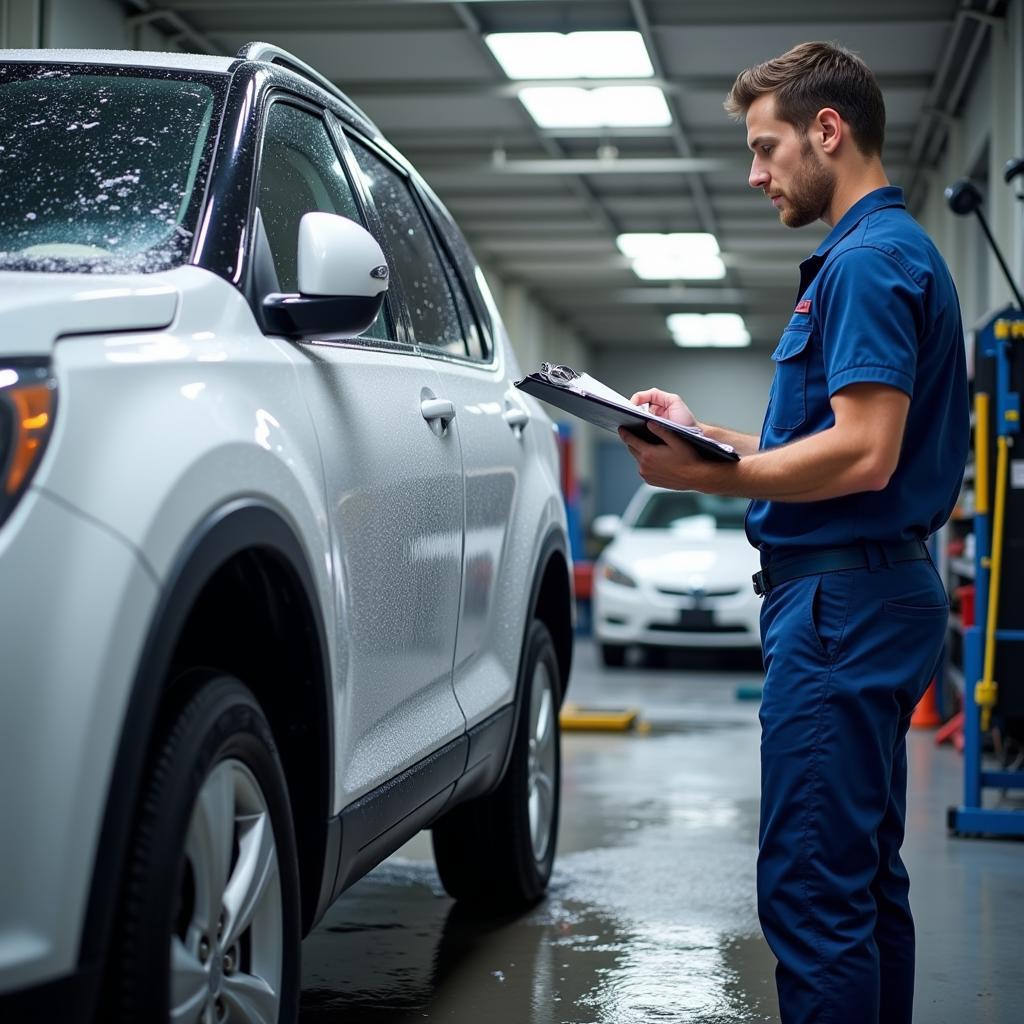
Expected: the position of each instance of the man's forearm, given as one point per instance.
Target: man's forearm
(745, 444)
(814, 468)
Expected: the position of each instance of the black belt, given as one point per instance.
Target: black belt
(856, 556)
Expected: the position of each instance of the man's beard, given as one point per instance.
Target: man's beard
(810, 195)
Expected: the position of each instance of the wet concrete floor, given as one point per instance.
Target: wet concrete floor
(651, 914)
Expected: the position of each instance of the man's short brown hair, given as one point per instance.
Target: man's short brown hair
(812, 76)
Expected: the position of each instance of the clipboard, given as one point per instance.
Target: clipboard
(610, 415)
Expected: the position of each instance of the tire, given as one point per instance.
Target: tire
(209, 919)
(495, 853)
(613, 655)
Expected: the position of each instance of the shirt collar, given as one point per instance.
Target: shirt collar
(879, 199)
(890, 195)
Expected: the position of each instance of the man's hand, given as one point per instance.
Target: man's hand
(673, 464)
(667, 406)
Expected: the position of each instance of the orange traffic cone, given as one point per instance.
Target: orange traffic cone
(926, 714)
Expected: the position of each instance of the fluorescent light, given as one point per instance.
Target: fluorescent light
(691, 255)
(560, 106)
(557, 107)
(572, 55)
(632, 106)
(675, 268)
(708, 330)
(676, 243)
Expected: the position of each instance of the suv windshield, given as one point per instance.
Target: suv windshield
(99, 171)
(668, 509)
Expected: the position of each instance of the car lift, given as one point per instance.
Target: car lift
(995, 341)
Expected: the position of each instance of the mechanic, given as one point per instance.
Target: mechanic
(859, 461)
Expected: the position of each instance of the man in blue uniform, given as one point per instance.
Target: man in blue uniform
(859, 461)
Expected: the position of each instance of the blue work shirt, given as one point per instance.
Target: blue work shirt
(876, 304)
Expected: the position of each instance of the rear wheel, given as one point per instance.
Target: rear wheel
(209, 923)
(497, 852)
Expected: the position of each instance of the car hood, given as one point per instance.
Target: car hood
(685, 558)
(37, 309)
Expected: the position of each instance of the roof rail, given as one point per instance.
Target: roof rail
(275, 55)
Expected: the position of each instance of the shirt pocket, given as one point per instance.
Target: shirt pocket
(789, 401)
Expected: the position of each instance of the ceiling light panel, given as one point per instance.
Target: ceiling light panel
(641, 106)
(676, 256)
(526, 55)
(708, 330)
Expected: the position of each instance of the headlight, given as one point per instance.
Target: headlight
(613, 575)
(28, 397)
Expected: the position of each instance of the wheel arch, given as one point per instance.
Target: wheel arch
(247, 551)
(551, 601)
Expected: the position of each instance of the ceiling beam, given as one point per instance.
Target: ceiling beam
(575, 167)
(702, 200)
(678, 85)
(583, 190)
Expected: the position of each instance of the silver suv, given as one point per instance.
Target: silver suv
(284, 574)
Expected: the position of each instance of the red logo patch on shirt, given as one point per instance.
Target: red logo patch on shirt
(803, 306)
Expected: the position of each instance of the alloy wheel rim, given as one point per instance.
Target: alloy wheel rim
(541, 761)
(226, 950)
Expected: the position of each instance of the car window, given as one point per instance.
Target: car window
(433, 313)
(300, 172)
(468, 283)
(665, 510)
(466, 315)
(99, 169)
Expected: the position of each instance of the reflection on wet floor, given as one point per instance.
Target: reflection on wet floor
(649, 918)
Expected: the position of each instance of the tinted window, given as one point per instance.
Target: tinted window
(432, 311)
(471, 281)
(300, 172)
(466, 315)
(667, 509)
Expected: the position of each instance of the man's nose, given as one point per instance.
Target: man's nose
(758, 177)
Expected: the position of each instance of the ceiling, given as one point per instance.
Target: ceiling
(543, 207)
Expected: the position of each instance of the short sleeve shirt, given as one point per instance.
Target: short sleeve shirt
(876, 305)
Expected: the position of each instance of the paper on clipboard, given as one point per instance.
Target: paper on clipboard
(586, 397)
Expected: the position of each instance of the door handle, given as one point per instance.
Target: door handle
(437, 409)
(515, 417)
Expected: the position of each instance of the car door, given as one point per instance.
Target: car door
(394, 493)
(490, 424)
(500, 466)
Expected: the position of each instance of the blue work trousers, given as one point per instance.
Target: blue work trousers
(847, 657)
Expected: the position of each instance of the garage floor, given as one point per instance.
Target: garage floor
(651, 915)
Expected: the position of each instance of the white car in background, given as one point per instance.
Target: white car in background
(284, 571)
(676, 574)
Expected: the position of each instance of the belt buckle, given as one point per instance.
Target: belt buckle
(760, 583)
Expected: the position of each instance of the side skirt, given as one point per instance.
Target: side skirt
(372, 828)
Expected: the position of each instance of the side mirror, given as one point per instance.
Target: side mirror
(342, 278)
(605, 527)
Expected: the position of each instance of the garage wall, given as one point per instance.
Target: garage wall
(729, 387)
(84, 23)
(988, 131)
(20, 23)
(539, 337)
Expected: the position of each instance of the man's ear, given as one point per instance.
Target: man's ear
(828, 129)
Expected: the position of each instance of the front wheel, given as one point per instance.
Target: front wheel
(497, 852)
(209, 922)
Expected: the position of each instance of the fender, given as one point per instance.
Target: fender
(235, 527)
(553, 542)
